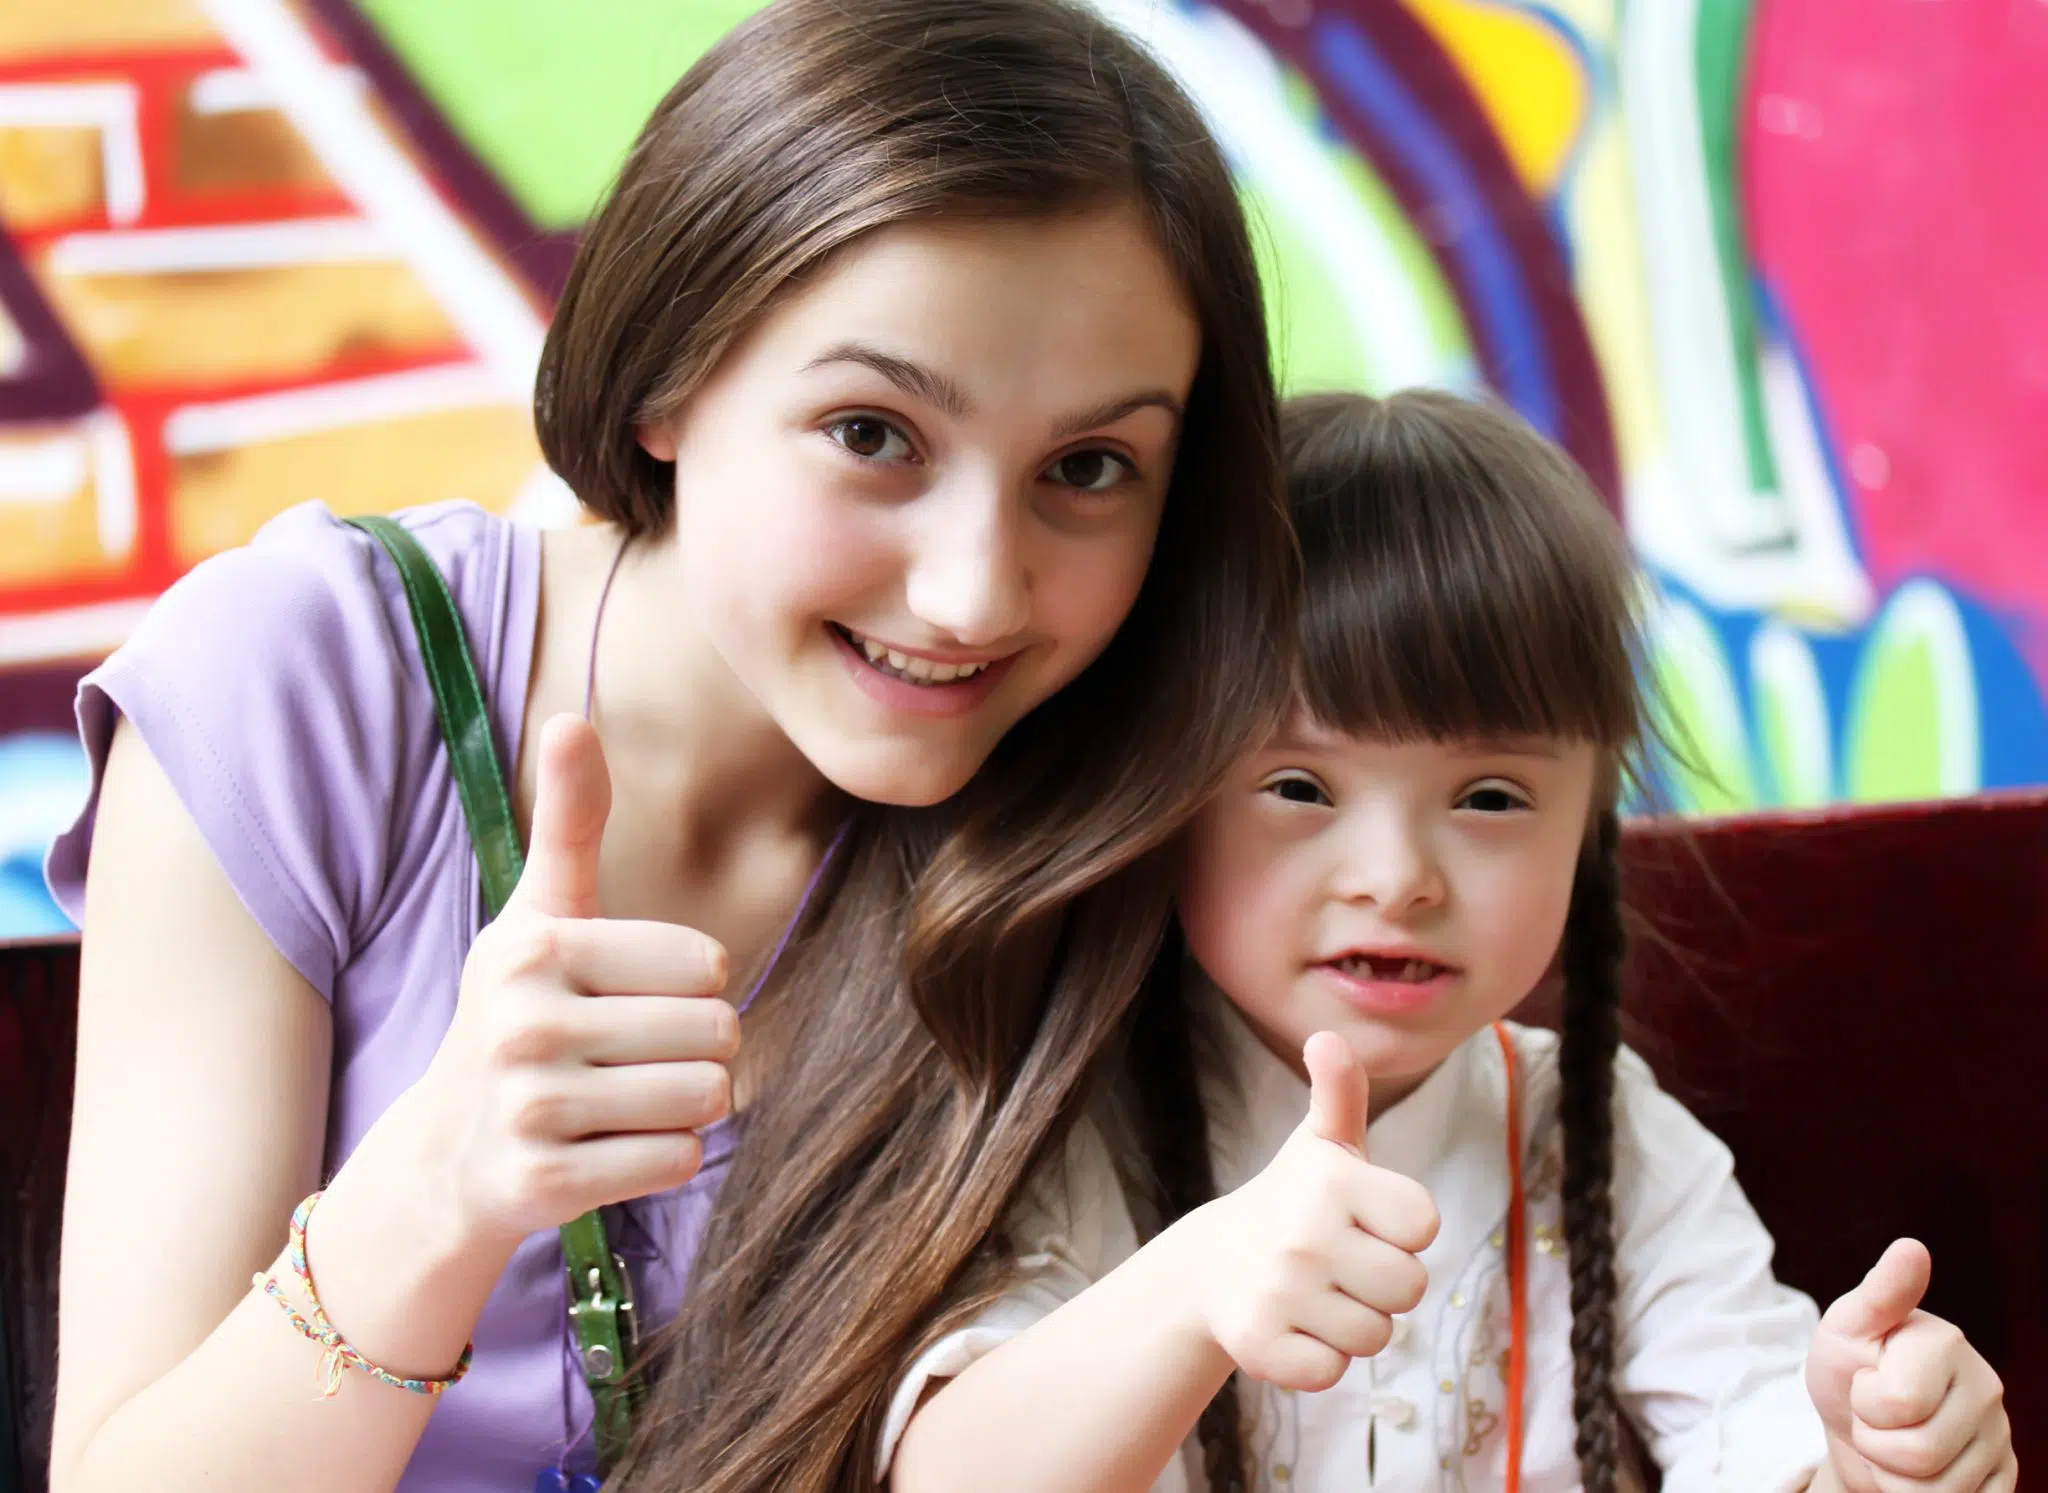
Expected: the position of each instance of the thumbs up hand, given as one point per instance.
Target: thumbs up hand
(1907, 1402)
(1303, 1268)
(585, 1053)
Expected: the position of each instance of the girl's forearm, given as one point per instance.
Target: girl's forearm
(1096, 1398)
(244, 1409)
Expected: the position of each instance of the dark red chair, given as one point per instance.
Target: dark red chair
(1857, 1001)
(38, 1031)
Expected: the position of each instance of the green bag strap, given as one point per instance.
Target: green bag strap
(600, 1304)
(459, 701)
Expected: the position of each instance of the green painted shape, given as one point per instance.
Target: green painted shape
(1301, 98)
(550, 95)
(1711, 772)
(1721, 36)
(1422, 275)
(1314, 346)
(1425, 276)
(1894, 747)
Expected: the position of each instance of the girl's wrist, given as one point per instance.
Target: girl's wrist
(1183, 1261)
(402, 1272)
(416, 1152)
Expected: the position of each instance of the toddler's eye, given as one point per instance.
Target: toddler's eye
(1297, 788)
(1492, 798)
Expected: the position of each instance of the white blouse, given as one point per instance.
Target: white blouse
(1710, 1361)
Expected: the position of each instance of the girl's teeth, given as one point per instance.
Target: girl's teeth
(916, 670)
(1409, 971)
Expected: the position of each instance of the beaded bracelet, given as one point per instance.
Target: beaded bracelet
(338, 1355)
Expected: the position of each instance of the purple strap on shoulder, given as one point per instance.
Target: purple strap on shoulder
(802, 905)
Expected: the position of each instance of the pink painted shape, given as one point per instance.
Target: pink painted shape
(1892, 161)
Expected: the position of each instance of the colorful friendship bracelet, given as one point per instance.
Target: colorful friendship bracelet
(338, 1355)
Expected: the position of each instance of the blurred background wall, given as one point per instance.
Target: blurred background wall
(1775, 271)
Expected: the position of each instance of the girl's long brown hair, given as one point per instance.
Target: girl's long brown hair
(931, 1024)
(1460, 579)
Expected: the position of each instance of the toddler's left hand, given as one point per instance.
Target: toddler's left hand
(1907, 1402)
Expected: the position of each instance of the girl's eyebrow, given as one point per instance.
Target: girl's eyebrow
(1116, 409)
(913, 378)
(945, 394)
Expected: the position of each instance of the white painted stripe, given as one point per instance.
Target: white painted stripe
(1823, 571)
(1696, 357)
(57, 105)
(198, 428)
(113, 463)
(50, 470)
(124, 186)
(488, 307)
(240, 246)
(74, 632)
(237, 90)
(1237, 84)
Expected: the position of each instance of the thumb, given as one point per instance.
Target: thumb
(1885, 1297)
(1339, 1094)
(571, 802)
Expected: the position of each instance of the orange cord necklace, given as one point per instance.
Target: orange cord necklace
(1518, 1268)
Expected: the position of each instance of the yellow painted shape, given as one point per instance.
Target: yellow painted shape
(245, 150)
(48, 174)
(50, 539)
(1613, 289)
(37, 28)
(1530, 83)
(219, 499)
(287, 322)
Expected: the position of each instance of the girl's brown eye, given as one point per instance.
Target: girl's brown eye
(867, 437)
(1091, 471)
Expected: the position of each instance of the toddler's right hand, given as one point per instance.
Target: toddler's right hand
(573, 1075)
(1305, 1266)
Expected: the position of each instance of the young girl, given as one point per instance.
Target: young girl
(1532, 1255)
(915, 379)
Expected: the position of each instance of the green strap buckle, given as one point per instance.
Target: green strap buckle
(607, 1331)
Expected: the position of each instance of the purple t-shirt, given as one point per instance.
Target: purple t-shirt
(281, 688)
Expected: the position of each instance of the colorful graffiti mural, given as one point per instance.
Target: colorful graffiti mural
(1758, 264)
